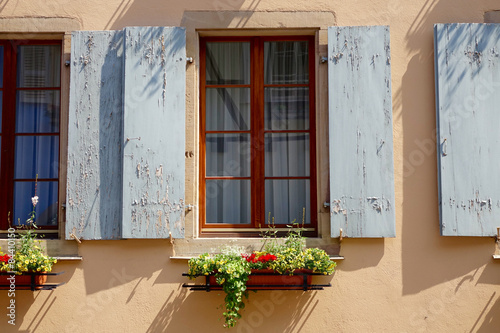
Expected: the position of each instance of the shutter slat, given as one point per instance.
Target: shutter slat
(360, 125)
(467, 67)
(94, 192)
(154, 132)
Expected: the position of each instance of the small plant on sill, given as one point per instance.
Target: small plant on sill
(28, 256)
(232, 268)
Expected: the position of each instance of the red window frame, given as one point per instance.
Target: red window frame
(8, 135)
(257, 178)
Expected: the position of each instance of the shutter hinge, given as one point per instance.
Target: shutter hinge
(323, 60)
(67, 63)
(189, 59)
(326, 204)
(445, 145)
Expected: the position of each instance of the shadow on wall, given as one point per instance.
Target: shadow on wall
(285, 311)
(160, 13)
(491, 321)
(429, 259)
(115, 263)
(24, 299)
(361, 253)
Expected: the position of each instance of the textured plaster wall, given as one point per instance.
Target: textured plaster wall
(416, 282)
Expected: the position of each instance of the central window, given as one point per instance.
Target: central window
(257, 133)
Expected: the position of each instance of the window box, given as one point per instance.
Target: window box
(267, 279)
(28, 281)
(236, 272)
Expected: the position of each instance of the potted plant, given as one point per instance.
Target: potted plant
(234, 271)
(29, 261)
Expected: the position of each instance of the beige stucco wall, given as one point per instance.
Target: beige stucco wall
(416, 282)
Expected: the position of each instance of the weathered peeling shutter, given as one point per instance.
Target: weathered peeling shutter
(126, 134)
(467, 68)
(360, 125)
(154, 132)
(94, 191)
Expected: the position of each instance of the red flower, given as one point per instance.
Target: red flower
(253, 258)
(5, 258)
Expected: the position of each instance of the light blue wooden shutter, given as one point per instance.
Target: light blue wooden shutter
(154, 132)
(467, 68)
(360, 138)
(94, 191)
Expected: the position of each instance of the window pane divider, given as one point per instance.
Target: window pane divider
(287, 131)
(228, 132)
(36, 179)
(286, 85)
(38, 88)
(37, 134)
(227, 177)
(287, 177)
(227, 86)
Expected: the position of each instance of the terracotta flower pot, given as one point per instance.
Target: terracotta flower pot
(23, 282)
(262, 279)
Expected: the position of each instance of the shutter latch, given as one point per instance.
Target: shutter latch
(73, 236)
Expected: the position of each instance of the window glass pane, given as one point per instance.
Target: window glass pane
(228, 201)
(38, 66)
(46, 209)
(36, 155)
(1, 66)
(228, 155)
(286, 62)
(228, 63)
(228, 109)
(286, 199)
(287, 154)
(37, 111)
(287, 108)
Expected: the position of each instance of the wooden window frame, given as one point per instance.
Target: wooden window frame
(8, 134)
(257, 132)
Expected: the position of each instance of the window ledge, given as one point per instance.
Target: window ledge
(69, 258)
(190, 257)
(185, 249)
(57, 248)
(496, 256)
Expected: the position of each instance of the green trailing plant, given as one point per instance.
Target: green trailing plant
(29, 256)
(231, 272)
(232, 268)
